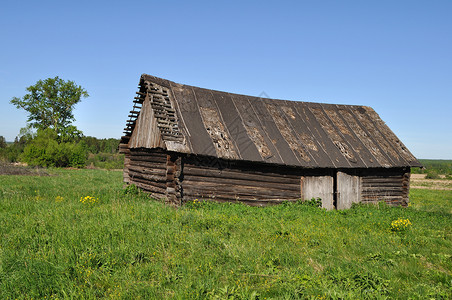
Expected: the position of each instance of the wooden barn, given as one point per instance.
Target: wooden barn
(183, 143)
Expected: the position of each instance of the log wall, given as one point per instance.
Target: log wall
(237, 181)
(147, 170)
(178, 178)
(391, 186)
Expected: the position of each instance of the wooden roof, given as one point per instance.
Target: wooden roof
(199, 121)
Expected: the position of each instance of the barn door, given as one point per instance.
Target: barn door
(348, 190)
(319, 187)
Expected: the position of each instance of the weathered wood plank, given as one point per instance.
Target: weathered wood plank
(211, 189)
(382, 190)
(383, 185)
(149, 165)
(251, 202)
(149, 158)
(264, 177)
(321, 187)
(147, 176)
(348, 190)
(258, 169)
(151, 186)
(156, 153)
(241, 182)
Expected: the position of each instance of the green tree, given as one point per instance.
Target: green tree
(50, 103)
(3, 142)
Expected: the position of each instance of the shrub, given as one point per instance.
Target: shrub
(78, 155)
(45, 150)
(106, 160)
(132, 190)
(431, 174)
(12, 152)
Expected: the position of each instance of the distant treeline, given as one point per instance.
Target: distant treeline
(47, 149)
(434, 166)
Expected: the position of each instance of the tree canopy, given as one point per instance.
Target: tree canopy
(3, 142)
(50, 103)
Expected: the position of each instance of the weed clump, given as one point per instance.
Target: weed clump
(400, 225)
(89, 200)
(314, 202)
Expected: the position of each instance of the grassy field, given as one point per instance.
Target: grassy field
(78, 234)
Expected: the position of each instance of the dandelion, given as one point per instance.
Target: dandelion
(400, 225)
(89, 200)
(59, 199)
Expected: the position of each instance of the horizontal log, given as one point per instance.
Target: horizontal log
(248, 201)
(230, 186)
(236, 197)
(238, 191)
(148, 171)
(231, 195)
(244, 175)
(124, 150)
(382, 198)
(149, 189)
(388, 184)
(373, 195)
(257, 170)
(381, 183)
(387, 199)
(139, 152)
(155, 178)
(382, 187)
(241, 182)
(149, 185)
(149, 159)
(393, 193)
(381, 178)
(147, 164)
(382, 190)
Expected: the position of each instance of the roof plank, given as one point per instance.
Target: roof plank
(299, 134)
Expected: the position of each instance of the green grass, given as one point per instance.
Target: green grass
(439, 201)
(126, 246)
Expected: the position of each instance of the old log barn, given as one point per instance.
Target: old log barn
(183, 143)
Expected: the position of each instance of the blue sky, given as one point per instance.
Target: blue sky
(395, 56)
